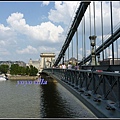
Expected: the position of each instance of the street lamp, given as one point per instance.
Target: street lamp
(92, 41)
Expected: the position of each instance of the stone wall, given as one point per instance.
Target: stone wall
(22, 77)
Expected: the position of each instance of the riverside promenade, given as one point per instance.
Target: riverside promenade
(18, 77)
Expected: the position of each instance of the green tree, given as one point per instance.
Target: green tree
(33, 71)
(14, 69)
(21, 70)
(4, 68)
(27, 70)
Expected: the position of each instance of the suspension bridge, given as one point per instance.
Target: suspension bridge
(97, 81)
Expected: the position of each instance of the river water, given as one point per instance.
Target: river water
(49, 100)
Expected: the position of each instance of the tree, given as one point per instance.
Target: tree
(21, 70)
(33, 71)
(27, 70)
(14, 69)
(4, 68)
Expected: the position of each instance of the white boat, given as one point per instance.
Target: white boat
(3, 78)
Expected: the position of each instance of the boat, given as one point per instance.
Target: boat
(3, 78)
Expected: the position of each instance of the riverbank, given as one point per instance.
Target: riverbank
(16, 77)
(19, 77)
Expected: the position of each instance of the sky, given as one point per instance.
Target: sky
(29, 28)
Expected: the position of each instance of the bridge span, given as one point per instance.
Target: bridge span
(97, 82)
(99, 91)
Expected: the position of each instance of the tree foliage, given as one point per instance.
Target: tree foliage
(4, 68)
(33, 70)
(15, 69)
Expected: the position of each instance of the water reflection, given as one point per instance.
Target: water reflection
(57, 102)
(49, 100)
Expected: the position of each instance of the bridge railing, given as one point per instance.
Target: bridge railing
(103, 85)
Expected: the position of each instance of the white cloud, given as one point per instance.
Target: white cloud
(5, 32)
(45, 31)
(16, 21)
(51, 32)
(64, 11)
(3, 28)
(6, 36)
(2, 43)
(28, 50)
(47, 49)
(4, 51)
(45, 2)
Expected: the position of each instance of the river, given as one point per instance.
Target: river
(49, 100)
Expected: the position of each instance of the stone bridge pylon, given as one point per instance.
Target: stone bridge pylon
(47, 60)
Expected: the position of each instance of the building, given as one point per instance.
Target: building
(9, 63)
(34, 63)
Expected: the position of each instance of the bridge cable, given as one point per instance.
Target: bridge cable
(72, 39)
(69, 25)
(105, 50)
(116, 40)
(118, 26)
(102, 30)
(90, 23)
(72, 51)
(65, 55)
(109, 51)
(77, 44)
(117, 48)
(71, 20)
(82, 44)
(84, 37)
(94, 28)
(68, 53)
(112, 33)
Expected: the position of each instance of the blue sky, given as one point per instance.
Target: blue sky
(34, 12)
(33, 27)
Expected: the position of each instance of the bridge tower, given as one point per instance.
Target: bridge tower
(47, 60)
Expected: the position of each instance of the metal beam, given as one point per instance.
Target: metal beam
(106, 44)
(79, 14)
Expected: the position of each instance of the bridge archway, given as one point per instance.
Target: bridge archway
(47, 60)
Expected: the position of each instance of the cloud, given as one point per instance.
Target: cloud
(49, 36)
(64, 11)
(28, 50)
(45, 31)
(3, 28)
(45, 3)
(6, 32)
(48, 49)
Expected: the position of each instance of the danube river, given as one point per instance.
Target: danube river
(49, 100)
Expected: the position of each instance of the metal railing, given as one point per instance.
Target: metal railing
(102, 85)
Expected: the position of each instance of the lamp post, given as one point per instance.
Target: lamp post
(92, 41)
